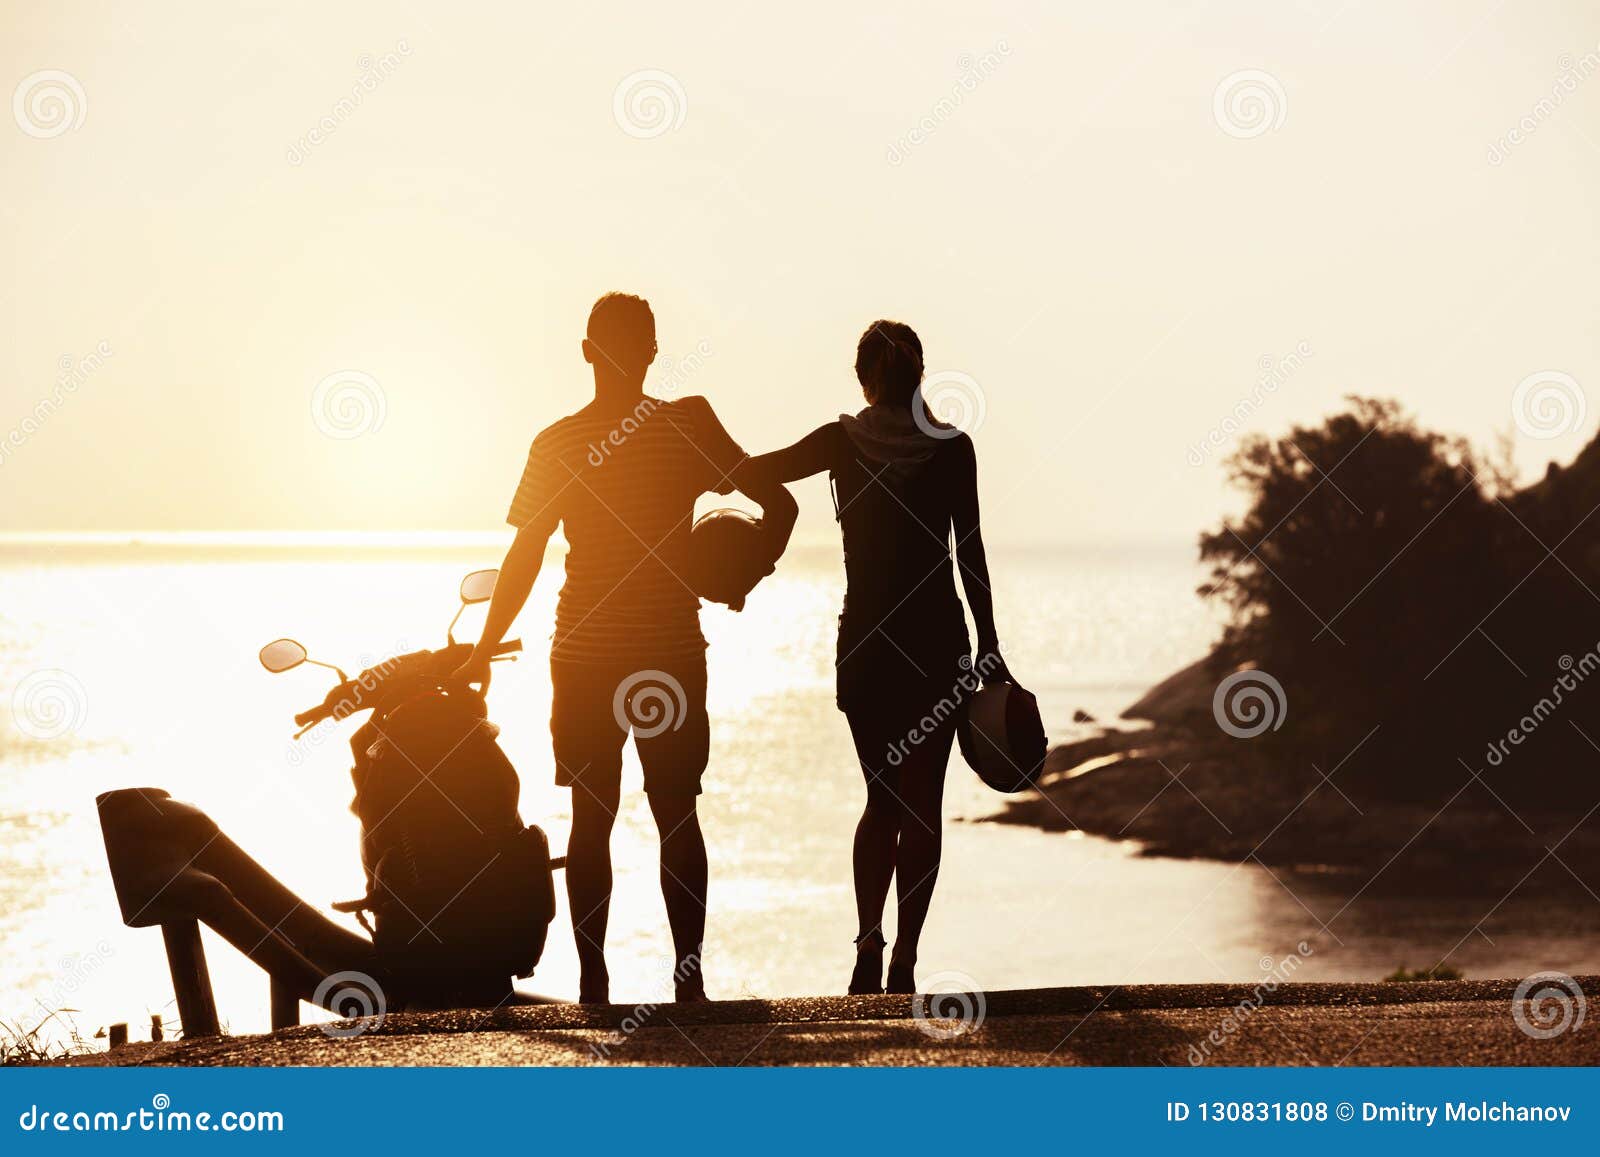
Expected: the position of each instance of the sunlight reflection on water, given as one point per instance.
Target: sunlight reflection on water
(163, 643)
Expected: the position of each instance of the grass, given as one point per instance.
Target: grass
(20, 1045)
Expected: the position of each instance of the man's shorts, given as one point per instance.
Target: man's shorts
(594, 706)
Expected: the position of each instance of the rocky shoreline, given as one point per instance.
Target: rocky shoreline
(1175, 783)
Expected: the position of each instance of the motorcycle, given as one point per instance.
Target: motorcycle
(436, 797)
(459, 890)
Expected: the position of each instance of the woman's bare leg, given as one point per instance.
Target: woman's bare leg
(873, 855)
(877, 834)
(921, 792)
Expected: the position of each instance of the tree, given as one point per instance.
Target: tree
(1364, 559)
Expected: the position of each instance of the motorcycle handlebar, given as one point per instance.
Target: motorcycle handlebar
(449, 657)
(313, 715)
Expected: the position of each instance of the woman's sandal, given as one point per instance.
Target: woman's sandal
(902, 978)
(867, 979)
(688, 984)
(691, 992)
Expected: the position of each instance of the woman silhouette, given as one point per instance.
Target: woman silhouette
(902, 483)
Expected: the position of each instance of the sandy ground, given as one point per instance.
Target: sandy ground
(1449, 1023)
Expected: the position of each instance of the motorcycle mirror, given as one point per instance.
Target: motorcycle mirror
(478, 587)
(282, 655)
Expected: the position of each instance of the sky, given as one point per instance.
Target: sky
(326, 267)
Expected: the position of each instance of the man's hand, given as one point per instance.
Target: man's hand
(474, 670)
(517, 575)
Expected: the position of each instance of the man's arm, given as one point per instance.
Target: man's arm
(778, 507)
(517, 575)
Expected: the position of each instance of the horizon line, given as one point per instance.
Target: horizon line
(434, 539)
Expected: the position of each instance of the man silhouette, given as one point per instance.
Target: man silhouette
(621, 477)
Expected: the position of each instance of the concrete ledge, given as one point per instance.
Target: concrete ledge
(1437, 1022)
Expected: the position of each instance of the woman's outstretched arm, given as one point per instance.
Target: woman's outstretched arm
(813, 454)
(973, 563)
(767, 472)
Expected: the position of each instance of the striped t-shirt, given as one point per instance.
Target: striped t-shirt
(623, 488)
